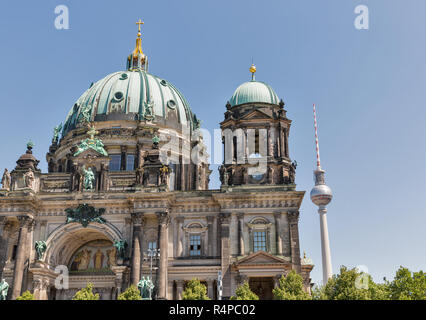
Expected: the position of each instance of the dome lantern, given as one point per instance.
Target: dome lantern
(137, 60)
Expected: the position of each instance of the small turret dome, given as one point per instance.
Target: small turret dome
(254, 91)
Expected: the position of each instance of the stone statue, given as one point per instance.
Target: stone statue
(112, 257)
(271, 172)
(89, 178)
(225, 177)
(145, 287)
(4, 287)
(5, 181)
(29, 179)
(56, 132)
(164, 174)
(139, 176)
(83, 259)
(40, 247)
(98, 259)
(221, 174)
(292, 173)
(149, 115)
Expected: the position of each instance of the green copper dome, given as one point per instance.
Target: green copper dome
(254, 91)
(131, 95)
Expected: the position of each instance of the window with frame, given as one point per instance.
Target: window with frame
(130, 162)
(195, 245)
(259, 241)
(115, 162)
(152, 245)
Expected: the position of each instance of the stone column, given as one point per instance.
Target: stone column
(210, 236)
(269, 139)
(136, 245)
(225, 253)
(179, 252)
(293, 220)
(278, 235)
(163, 221)
(18, 271)
(241, 249)
(210, 286)
(179, 287)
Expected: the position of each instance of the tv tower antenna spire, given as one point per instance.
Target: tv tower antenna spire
(321, 196)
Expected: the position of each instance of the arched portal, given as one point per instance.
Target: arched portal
(89, 255)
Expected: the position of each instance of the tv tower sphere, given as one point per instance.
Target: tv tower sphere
(321, 194)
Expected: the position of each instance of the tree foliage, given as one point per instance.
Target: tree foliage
(131, 293)
(291, 288)
(243, 292)
(407, 285)
(86, 293)
(195, 290)
(27, 295)
(351, 284)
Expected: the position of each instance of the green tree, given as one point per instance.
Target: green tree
(351, 284)
(195, 290)
(243, 292)
(407, 285)
(27, 295)
(86, 293)
(291, 288)
(131, 293)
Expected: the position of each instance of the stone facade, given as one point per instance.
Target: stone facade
(109, 182)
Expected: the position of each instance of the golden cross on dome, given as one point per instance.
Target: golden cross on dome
(92, 132)
(139, 27)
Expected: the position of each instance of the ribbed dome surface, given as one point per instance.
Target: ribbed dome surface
(254, 91)
(129, 95)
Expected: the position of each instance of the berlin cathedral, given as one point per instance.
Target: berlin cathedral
(126, 197)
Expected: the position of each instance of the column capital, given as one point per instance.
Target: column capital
(240, 215)
(224, 217)
(138, 219)
(277, 214)
(163, 217)
(293, 216)
(210, 219)
(25, 221)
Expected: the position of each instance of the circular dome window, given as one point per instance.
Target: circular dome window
(163, 82)
(123, 76)
(118, 95)
(171, 104)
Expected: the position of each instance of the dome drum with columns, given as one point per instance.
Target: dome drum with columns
(112, 195)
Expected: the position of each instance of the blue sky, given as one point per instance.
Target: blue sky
(369, 87)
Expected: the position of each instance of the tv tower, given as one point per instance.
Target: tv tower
(321, 196)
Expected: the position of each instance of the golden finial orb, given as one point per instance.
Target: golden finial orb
(252, 70)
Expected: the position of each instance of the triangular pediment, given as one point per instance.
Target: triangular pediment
(255, 114)
(89, 153)
(260, 257)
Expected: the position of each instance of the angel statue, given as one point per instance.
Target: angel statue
(145, 287)
(4, 287)
(40, 247)
(56, 132)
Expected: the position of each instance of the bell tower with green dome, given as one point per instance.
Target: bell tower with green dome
(255, 136)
